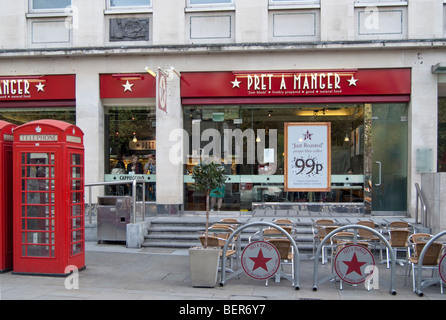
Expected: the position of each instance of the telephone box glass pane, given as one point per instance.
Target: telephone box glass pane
(36, 212)
(38, 224)
(76, 172)
(77, 204)
(76, 210)
(76, 159)
(76, 185)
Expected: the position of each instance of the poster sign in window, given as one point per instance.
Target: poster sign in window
(307, 156)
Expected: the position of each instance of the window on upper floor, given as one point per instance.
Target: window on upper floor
(294, 2)
(210, 2)
(49, 5)
(379, 2)
(129, 3)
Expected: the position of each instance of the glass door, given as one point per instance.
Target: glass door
(386, 159)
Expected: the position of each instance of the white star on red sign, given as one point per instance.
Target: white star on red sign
(128, 86)
(352, 81)
(40, 87)
(236, 83)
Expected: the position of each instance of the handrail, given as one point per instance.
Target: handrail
(420, 198)
(133, 217)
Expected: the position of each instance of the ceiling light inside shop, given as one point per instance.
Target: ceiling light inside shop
(324, 112)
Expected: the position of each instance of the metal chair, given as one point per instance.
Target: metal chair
(322, 233)
(398, 240)
(418, 237)
(318, 224)
(286, 253)
(430, 261)
(337, 241)
(225, 228)
(369, 236)
(220, 243)
(399, 224)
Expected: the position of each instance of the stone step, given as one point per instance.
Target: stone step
(172, 233)
(183, 232)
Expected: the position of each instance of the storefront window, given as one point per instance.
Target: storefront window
(130, 147)
(21, 116)
(251, 147)
(442, 135)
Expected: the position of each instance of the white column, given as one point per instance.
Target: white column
(169, 173)
(90, 118)
(423, 123)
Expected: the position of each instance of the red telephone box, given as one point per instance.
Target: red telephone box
(48, 198)
(6, 139)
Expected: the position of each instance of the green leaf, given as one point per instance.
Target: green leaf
(208, 176)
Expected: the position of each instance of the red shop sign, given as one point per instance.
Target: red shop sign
(296, 84)
(135, 85)
(28, 88)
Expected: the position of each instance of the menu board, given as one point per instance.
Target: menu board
(307, 156)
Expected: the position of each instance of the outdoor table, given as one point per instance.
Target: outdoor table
(274, 235)
(285, 224)
(427, 239)
(424, 239)
(353, 239)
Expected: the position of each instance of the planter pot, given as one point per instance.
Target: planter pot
(204, 266)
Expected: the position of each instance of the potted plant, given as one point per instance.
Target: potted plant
(204, 260)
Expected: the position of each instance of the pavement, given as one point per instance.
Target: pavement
(114, 272)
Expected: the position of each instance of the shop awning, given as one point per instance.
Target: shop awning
(439, 68)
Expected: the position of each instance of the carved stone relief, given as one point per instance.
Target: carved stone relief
(129, 29)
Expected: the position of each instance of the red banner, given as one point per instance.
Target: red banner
(138, 85)
(317, 83)
(28, 88)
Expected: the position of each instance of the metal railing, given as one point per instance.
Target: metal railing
(355, 228)
(422, 200)
(134, 183)
(296, 261)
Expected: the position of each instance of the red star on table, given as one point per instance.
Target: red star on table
(260, 261)
(354, 265)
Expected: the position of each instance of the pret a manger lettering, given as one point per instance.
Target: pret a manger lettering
(300, 81)
(14, 86)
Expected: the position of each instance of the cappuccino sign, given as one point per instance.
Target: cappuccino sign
(308, 156)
